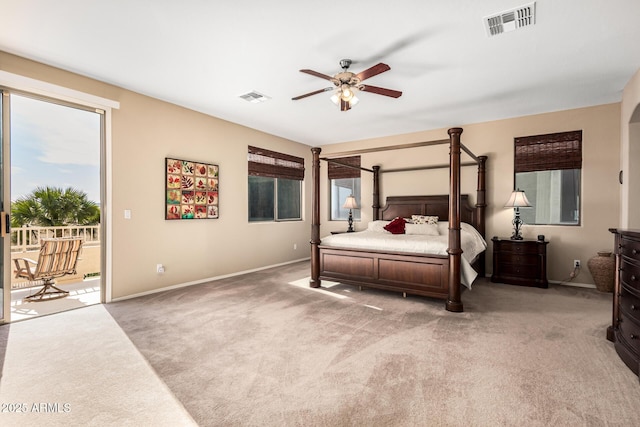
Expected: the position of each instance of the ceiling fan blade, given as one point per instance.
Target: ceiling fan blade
(315, 92)
(344, 105)
(317, 74)
(373, 71)
(381, 91)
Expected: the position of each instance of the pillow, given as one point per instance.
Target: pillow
(377, 225)
(423, 229)
(424, 219)
(396, 226)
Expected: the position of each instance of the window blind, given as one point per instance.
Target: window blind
(262, 162)
(554, 151)
(336, 170)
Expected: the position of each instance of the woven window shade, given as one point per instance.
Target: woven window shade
(554, 151)
(336, 170)
(272, 164)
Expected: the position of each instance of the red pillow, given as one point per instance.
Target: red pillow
(396, 226)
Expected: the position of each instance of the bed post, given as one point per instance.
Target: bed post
(376, 193)
(315, 219)
(481, 204)
(454, 302)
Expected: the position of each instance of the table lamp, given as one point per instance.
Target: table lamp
(516, 201)
(350, 204)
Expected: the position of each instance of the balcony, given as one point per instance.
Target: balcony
(83, 287)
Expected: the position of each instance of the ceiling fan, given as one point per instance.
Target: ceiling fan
(346, 84)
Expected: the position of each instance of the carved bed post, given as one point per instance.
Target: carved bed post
(315, 219)
(376, 193)
(454, 302)
(481, 204)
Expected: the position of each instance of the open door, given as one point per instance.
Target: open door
(50, 170)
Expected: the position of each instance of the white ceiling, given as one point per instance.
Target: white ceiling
(204, 54)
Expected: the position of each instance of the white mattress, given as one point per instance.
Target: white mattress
(376, 238)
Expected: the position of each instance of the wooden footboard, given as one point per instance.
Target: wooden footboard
(413, 274)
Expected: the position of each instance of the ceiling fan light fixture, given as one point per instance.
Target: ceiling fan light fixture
(347, 84)
(345, 94)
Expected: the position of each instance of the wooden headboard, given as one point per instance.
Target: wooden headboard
(405, 206)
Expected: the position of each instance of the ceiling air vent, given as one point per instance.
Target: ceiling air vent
(254, 97)
(510, 20)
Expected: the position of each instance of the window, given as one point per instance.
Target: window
(548, 168)
(344, 176)
(275, 185)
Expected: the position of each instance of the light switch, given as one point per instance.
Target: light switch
(127, 214)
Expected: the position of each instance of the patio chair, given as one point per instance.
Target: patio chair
(57, 257)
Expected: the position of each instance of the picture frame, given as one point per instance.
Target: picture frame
(191, 190)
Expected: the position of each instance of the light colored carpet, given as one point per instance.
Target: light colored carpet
(263, 349)
(79, 369)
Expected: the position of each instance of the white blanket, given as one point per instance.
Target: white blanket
(376, 238)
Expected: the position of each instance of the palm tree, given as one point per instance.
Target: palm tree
(51, 206)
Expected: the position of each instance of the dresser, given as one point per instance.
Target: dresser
(520, 262)
(625, 326)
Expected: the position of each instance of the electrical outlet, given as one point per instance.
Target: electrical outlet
(576, 263)
(295, 246)
(159, 268)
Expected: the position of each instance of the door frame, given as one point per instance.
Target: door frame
(13, 82)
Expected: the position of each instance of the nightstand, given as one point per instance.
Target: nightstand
(520, 262)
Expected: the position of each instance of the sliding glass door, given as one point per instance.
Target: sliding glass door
(53, 190)
(4, 218)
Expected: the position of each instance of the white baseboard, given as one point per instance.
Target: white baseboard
(563, 283)
(209, 279)
(574, 284)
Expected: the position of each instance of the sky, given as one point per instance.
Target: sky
(53, 145)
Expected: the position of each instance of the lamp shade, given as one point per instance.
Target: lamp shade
(518, 200)
(350, 203)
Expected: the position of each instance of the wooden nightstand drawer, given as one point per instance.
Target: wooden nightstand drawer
(519, 259)
(629, 331)
(630, 248)
(520, 262)
(630, 275)
(630, 303)
(519, 270)
(518, 247)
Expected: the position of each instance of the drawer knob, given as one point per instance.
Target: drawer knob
(633, 337)
(635, 252)
(633, 307)
(633, 277)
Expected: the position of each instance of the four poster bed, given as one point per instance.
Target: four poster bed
(438, 274)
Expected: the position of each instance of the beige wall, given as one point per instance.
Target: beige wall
(630, 153)
(144, 132)
(600, 189)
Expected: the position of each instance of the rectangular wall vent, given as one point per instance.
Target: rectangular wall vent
(510, 20)
(254, 97)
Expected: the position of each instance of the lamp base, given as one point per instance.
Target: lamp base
(517, 226)
(350, 229)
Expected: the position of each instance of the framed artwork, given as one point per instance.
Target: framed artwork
(191, 190)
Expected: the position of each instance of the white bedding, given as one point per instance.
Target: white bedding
(376, 238)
